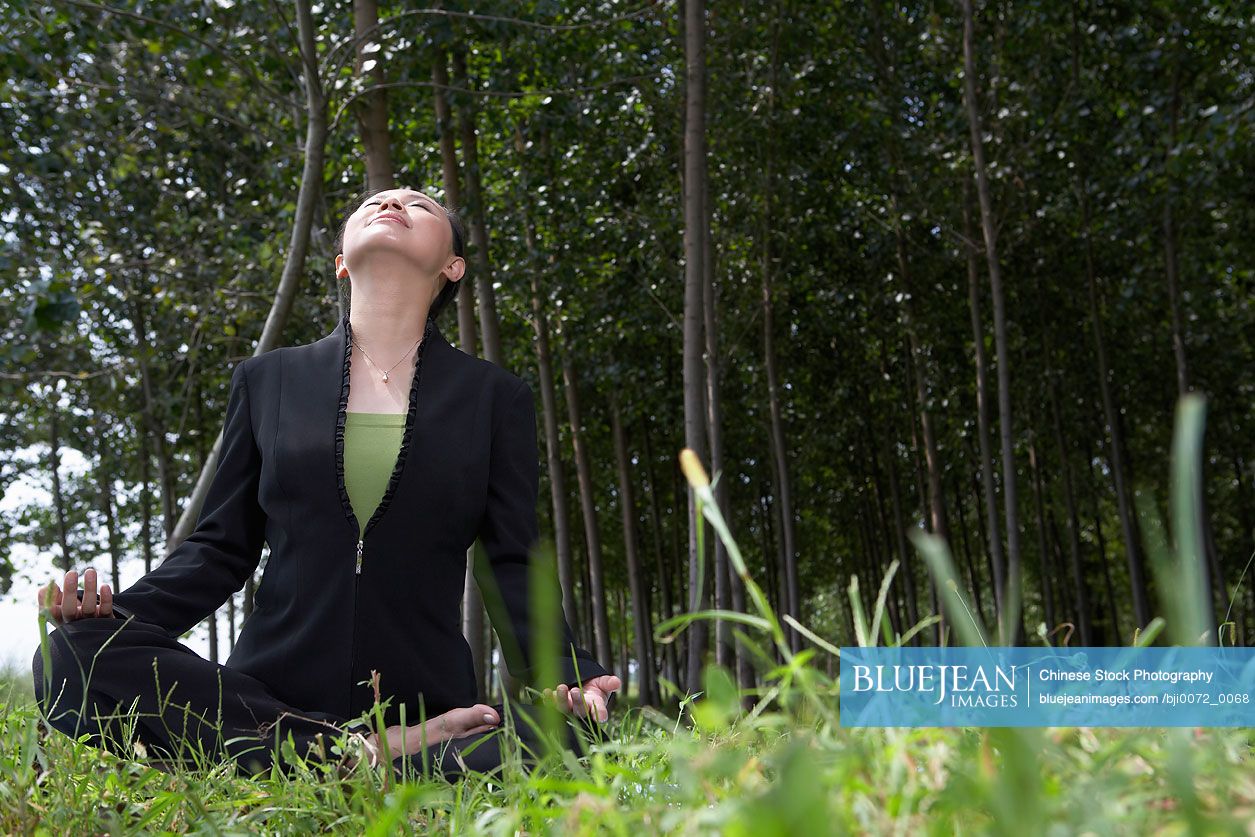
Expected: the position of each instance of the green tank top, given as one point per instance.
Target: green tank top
(371, 444)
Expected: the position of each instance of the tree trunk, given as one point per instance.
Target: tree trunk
(670, 663)
(474, 617)
(636, 581)
(231, 622)
(981, 534)
(294, 265)
(371, 108)
(1043, 548)
(592, 535)
(152, 422)
(905, 553)
(1247, 522)
(695, 232)
(553, 446)
(725, 652)
(1112, 603)
(1005, 426)
(907, 572)
(774, 589)
(250, 587)
(1213, 580)
(488, 324)
(925, 505)
(624, 654)
(996, 558)
(964, 544)
(104, 492)
(874, 450)
(1080, 585)
(1171, 259)
(1120, 473)
(631, 551)
(932, 455)
(145, 497)
(781, 558)
(54, 468)
(783, 481)
(212, 618)
(467, 341)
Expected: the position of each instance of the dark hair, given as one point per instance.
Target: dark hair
(450, 289)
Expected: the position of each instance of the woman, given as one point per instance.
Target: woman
(368, 477)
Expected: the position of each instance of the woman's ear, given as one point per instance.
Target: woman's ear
(340, 266)
(455, 269)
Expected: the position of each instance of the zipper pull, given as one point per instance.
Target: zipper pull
(359, 556)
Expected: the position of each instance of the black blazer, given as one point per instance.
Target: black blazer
(330, 607)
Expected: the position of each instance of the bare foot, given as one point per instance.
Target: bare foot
(456, 723)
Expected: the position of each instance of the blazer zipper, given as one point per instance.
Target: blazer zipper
(399, 464)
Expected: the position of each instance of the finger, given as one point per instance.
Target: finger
(106, 600)
(69, 596)
(71, 607)
(600, 711)
(591, 704)
(610, 683)
(89, 592)
(577, 703)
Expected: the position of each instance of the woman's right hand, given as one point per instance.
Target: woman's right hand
(62, 605)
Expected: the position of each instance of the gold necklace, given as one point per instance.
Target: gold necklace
(394, 366)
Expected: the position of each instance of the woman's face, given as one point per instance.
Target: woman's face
(400, 223)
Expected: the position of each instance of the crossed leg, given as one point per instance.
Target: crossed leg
(186, 708)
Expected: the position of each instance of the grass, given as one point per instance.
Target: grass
(783, 767)
(785, 770)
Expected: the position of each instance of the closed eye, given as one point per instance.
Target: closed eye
(420, 203)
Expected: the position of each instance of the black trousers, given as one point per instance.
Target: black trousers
(122, 681)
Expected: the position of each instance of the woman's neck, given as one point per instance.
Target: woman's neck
(387, 327)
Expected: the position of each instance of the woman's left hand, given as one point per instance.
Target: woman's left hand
(589, 698)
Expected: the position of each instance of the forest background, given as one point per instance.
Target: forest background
(883, 266)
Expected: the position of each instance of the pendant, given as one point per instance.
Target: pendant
(385, 377)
